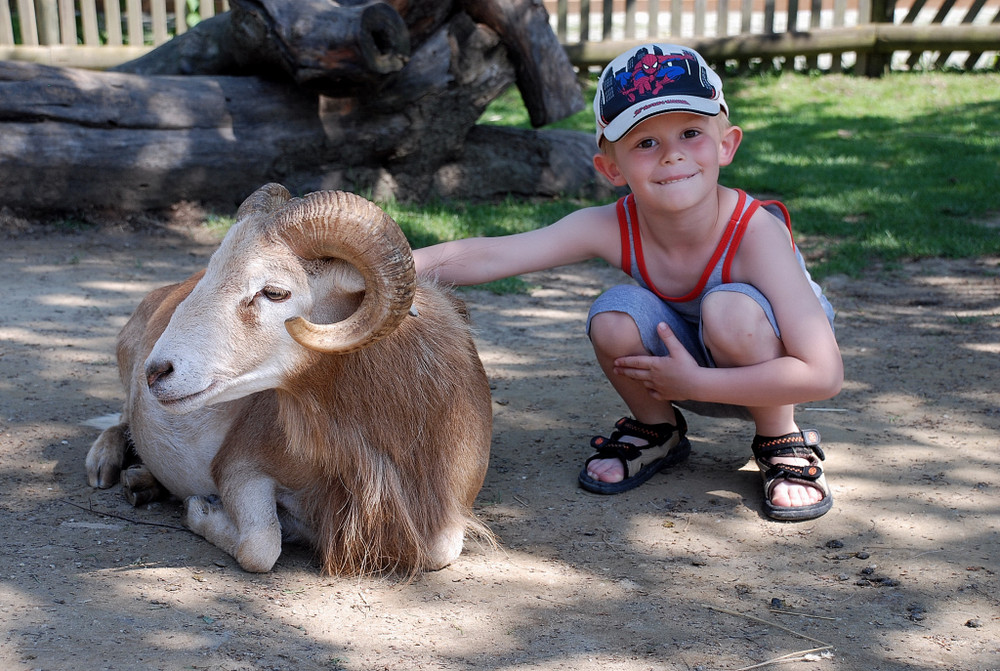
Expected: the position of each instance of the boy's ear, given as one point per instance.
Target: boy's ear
(731, 139)
(607, 166)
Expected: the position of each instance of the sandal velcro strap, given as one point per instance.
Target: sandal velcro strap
(810, 472)
(654, 434)
(611, 449)
(790, 444)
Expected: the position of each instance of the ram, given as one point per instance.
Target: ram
(306, 387)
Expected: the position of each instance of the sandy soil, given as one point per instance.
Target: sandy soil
(683, 573)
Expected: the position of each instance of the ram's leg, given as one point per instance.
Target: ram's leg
(140, 487)
(243, 523)
(107, 456)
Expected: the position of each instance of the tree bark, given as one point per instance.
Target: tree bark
(360, 49)
(206, 49)
(545, 75)
(345, 47)
(74, 139)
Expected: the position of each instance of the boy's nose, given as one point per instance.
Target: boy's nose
(672, 154)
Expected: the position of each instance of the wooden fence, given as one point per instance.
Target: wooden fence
(94, 33)
(870, 35)
(806, 34)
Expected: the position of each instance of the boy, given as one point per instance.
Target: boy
(725, 320)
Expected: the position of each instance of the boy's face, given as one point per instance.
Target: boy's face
(672, 158)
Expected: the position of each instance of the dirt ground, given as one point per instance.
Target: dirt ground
(682, 573)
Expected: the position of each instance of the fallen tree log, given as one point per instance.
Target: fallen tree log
(358, 48)
(545, 75)
(344, 47)
(74, 139)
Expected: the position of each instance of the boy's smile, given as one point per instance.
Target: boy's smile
(676, 180)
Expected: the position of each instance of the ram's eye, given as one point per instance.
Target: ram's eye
(274, 294)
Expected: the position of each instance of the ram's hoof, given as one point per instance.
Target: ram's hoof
(106, 455)
(140, 487)
(198, 510)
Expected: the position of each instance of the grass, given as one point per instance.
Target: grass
(875, 172)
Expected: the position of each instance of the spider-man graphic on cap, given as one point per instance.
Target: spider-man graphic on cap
(651, 72)
(654, 79)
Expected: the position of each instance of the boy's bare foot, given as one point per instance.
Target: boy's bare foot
(609, 470)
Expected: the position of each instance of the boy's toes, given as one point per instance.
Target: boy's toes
(606, 470)
(791, 495)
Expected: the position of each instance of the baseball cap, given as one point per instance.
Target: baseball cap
(654, 79)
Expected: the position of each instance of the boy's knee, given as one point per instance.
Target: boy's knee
(735, 326)
(614, 331)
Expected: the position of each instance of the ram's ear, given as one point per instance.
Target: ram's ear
(350, 280)
(338, 289)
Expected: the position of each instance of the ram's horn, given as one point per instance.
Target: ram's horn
(264, 200)
(336, 224)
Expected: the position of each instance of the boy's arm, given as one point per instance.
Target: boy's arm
(581, 235)
(812, 368)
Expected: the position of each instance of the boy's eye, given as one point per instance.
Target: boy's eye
(646, 144)
(692, 132)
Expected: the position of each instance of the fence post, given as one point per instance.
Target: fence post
(48, 21)
(876, 64)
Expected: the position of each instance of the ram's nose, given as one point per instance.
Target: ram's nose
(157, 371)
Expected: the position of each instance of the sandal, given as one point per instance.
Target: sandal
(802, 444)
(668, 445)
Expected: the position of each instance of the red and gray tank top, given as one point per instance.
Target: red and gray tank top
(717, 271)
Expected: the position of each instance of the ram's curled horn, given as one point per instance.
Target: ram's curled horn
(336, 224)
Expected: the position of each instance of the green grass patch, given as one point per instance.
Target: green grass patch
(874, 171)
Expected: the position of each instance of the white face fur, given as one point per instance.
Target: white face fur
(227, 339)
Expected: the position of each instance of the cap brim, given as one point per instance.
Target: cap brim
(644, 109)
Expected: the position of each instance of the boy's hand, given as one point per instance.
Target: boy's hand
(667, 378)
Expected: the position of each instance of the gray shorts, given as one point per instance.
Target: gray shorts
(648, 310)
